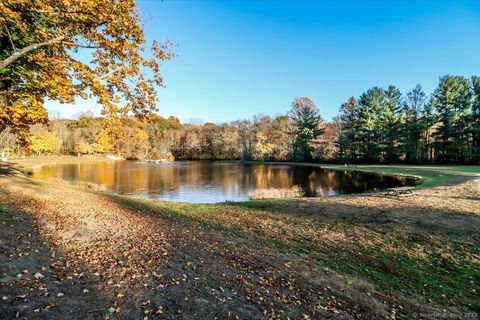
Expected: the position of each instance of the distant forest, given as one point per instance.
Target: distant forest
(380, 126)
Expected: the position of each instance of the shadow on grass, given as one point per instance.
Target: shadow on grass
(437, 260)
(103, 268)
(415, 222)
(9, 169)
(24, 251)
(175, 215)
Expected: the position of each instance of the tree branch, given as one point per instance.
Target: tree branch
(10, 38)
(88, 46)
(6, 62)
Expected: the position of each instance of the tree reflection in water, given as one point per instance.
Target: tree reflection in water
(202, 181)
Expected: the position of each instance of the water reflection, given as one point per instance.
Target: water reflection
(200, 181)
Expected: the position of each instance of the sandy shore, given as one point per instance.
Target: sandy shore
(36, 163)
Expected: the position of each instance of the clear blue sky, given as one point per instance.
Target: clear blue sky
(241, 58)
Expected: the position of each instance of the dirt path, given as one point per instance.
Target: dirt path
(73, 254)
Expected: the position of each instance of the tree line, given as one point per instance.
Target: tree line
(380, 126)
(383, 125)
(261, 138)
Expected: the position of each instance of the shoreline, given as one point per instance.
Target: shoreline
(427, 175)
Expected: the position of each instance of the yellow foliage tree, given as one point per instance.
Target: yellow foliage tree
(104, 143)
(263, 148)
(140, 138)
(44, 142)
(83, 147)
(140, 142)
(38, 58)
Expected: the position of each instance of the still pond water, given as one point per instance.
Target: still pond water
(207, 182)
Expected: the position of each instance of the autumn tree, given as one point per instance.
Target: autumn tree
(328, 147)
(164, 134)
(9, 144)
(43, 141)
(140, 143)
(38, 58)
(281, 137)
(83, 147)
(306, 121)
(104, 143)
(246, 138)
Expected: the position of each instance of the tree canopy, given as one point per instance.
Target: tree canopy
(38, 58)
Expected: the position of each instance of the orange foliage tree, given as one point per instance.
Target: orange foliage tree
(38, 58)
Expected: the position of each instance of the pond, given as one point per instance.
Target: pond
(208, 182)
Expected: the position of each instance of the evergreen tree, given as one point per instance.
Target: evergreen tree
(413, 126)
(428, 120)
(474, 120)
(348, 138)
(370, 110)
(452, 101)
(390, 124)
(306, 122)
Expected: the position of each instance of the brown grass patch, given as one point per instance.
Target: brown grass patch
(276, 193)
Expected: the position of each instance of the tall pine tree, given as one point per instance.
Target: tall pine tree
(390, 124)
(306, 121)
(370, 114)
(452, 101)
(474, 120)
(348, 137)
(413, 127)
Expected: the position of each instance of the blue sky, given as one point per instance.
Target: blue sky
(241, 58)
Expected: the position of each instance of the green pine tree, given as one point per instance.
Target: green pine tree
(452, 101)
(474, 120)
(413, 126)
(306, 120)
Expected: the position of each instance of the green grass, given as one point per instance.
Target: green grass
(433, 276)
(7, 212)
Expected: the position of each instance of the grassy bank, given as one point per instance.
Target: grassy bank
(423, 247)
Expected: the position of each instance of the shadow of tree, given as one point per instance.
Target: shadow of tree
(434, 255)
(387, 218)
(36, 279)
(9, 169)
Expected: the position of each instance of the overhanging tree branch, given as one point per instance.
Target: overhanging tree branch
(15, 56)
